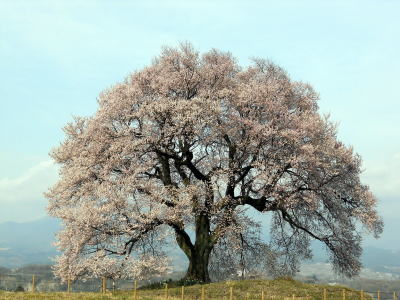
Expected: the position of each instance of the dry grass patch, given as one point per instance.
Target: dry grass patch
(279, 289)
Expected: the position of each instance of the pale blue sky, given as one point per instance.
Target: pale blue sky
(56, 56)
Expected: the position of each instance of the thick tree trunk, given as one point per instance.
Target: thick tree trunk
(198, 268)
(199, 253)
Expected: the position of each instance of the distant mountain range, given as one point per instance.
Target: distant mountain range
(32, 243)
(27, 243)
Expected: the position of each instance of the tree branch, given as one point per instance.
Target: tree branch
(183, 240)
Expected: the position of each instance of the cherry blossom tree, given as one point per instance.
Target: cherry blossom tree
(181, 151)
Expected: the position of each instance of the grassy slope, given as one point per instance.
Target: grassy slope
(247, 289)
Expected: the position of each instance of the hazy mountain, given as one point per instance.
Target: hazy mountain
(31, 243)
(27, 243)
(377, 259)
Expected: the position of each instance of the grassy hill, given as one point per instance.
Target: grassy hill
(279, 289)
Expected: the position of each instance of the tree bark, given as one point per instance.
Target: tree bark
(199, 253)
(198, 267)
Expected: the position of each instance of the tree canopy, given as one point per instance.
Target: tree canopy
(182, 148)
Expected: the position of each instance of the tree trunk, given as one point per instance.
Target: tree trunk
(198, 268)
(199, 253)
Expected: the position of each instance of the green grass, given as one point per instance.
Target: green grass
(278, 289)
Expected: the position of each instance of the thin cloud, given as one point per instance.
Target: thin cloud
(11, 183)
(22, 197)
(383, 176)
